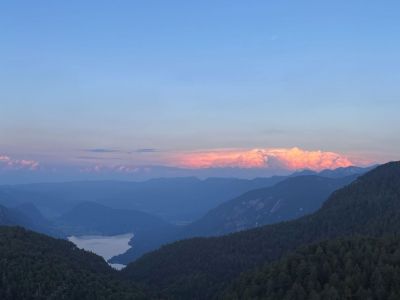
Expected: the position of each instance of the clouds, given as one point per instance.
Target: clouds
(146, 150)
(264, 158)
(295, 158)
(220, 159)
(149, 163)
(98, 168)
(111, 150)
(289, 159)
(8, 163)
(101, 150)
(240, 163)
(273, 158)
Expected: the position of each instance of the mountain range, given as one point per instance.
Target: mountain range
(27, 215)
(177, 200)
(293, 196)
(203, 267)
(289, 199)
(358, 223)
(91, 218)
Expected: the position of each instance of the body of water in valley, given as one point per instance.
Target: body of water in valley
(105, 246)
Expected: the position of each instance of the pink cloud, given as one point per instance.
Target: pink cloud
(9, 163)
(266, 158)
(220, 159)
(288, 158)
(116, 168)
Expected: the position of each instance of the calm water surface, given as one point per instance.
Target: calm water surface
(105, 246)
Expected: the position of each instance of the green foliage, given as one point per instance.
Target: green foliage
(355, 268)
(34, 266)
(369, 206)
(290, 199)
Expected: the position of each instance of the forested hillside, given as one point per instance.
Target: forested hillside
(354, 268)
(34, 266)
(174, 199)
(203, 266)
(27, 216)
(290, 199)
(90, 218)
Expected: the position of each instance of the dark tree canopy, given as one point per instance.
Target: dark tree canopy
(34, 266)
(202, 267)
(354, 268)
(346, 250)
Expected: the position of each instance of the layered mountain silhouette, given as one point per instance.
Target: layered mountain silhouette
(348, 249)
(336, 173)
(9, 217)
(202, 267)
(177, 200)
(290, 199)
(28, 216)
(90, 218)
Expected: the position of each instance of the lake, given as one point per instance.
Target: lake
(105, 246)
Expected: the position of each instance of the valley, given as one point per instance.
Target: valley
(105, 246)
(199, 150)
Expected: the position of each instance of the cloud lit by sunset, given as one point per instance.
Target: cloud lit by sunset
(291, 158)
(213, 162)
(9, 163)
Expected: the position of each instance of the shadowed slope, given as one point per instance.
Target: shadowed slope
(289, 199)
(34, 266)
(201, 267)
(352, 268)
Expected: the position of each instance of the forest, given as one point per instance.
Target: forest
(342, 251)
(352, 268)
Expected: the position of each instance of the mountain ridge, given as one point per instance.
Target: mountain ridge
(218, 260)
(288, 199)
(35, 266)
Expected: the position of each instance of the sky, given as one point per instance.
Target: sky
(113, 86)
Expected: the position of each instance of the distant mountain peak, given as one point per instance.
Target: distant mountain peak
(369, 206)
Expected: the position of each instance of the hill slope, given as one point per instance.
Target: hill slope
(201, 267)
(28, 217)
(90, 218)
(34, 266)
(9, 217)
(36, 221)
(174, 199)
(289, 199)
(93, 218)
(357, 268)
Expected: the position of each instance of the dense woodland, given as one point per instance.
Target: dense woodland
(34, 266)
(347, 249)
(203, 267)
(356, 268)
(290, 199)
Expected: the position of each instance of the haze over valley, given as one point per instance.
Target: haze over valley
(206, 150)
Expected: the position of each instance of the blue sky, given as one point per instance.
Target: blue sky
(183, 76)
